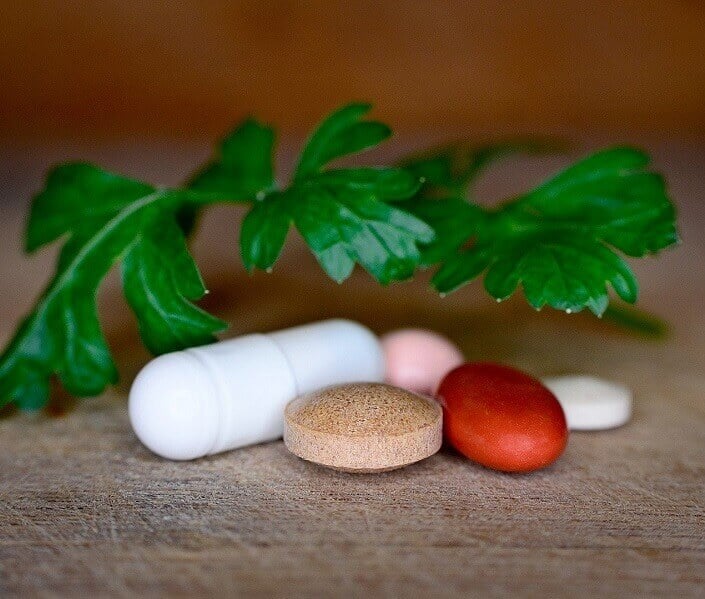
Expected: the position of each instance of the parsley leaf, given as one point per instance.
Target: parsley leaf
(454, 221)
(560, 240)
(448, 173)
(343, 214)
(343, 225)
(243, 166)
(263, 232)
(241, 169)
(341, 134)
(104, 217)
(160, 280)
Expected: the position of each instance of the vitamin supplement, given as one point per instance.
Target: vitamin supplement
(363, 427)
(205, 400)
(502, 418)
(591, 404)
(418, 359)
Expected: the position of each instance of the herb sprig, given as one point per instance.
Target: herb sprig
(560, 241)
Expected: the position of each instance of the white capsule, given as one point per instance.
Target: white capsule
(591, 404)
(209, 399)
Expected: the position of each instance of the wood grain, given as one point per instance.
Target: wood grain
(86, 510)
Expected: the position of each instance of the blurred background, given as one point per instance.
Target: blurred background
(188, 68)
(146, 87)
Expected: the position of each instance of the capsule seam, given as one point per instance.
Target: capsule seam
(287, 361)
(220, 394)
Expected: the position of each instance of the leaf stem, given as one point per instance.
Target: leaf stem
(637, 321)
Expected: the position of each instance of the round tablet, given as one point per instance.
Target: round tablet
(417, 359)
(591, 404)
(363, 427)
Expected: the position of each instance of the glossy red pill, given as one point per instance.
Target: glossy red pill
(501, 417)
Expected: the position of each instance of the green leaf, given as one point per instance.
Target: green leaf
(243, 167)
(160, 278)
(387, 184)
(560, 240)
(342, 222)
(75, 193)
(447, 173)
(564, 272)
(343, 225)
(341, 134)
(449, 170)
(106, 218)
(263, 232)
(455, 222)
(611, 194)
(342, 214)
(62, 335)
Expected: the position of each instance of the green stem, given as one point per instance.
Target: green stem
(637, 321)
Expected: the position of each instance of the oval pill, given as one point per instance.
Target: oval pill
(363, 427)
(209, 399)
(417, 359)
(502, 418)
(590, 403)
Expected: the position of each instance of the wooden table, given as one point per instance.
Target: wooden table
(86, 510)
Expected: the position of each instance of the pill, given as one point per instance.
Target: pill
(591, 404)
(205, 400)
(364, 427)
(502, 418)
(418, 359)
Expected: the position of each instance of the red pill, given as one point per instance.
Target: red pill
(501, 417)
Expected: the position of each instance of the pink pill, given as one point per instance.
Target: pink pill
(418, 359)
